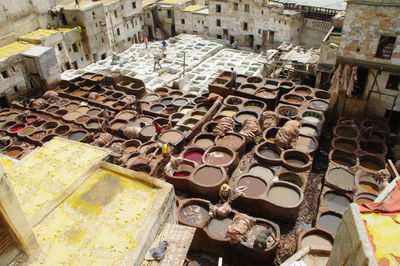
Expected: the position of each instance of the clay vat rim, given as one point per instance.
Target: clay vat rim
(315, 230)
(256, 115)
(263, 195)
(171, 130)
(217, 184)
(285, 183)
(231, 153)
(191, 201)
(275, 147)
(306, 165)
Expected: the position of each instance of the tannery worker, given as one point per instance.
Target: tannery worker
(233, 79)
(157, 60)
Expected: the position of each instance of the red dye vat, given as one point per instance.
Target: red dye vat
(182, 174)
(30, 119)
(17, 128)
(194, 156)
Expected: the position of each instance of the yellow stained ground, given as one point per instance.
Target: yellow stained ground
(97, 224)
(14, 48)
(194, 8)
(6, 161)
(385, 232)
(171, 1)
(47, 172)
(43, 33)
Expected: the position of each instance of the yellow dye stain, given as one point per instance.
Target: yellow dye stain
(7, 162)
(43, 33)
(98, 223)
(194, 8)
(48, 171)
(171, 1)
(14, 48)
(385, 232)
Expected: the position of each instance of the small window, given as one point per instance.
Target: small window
(75, 47)
(115, 13)
(134, 5)
(259, 31)
(385, 47)
(218, 8)
(258, 47)
(74, 19)
(129, 39)
(13, 69)
(102, 40)
(103, 56)
(87, 57)
(169, 14)
(59, 47)
(122, 6)
(96, 24)
(218, 23)
(94, 15)
(148, 15)
(246, 8)
(118, 32)
(68, 65)
(262, 12)
(75, 65)
(245, 26)
(219, 36)
(81, 59)
(235, 6)
(182, 21)
(15, 88)
(393, 82)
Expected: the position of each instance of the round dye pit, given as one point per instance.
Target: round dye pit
(252, 234)
(240, 117)
(217, 158)
(262, 171)
(370, 187)
(151, 98)
(311, 117)
(38, 135)
(343, 158)
(254, 186)
(204, 141)
(293, 99)
(228, 112)
(231, 141)
(26, 131)
(218, 227)
(341, 178)
(316, 240)
(180, 101)
(17, 128)
(292, 178)
(171, 136)
(166, 101)
(371, 163)
(346, 131)
(77, 135)
(306, 144)
(72, 116)
(364, 198)
(287, 111)
(336, 202)
(14, 152)
(208, 175)
(283, 196)
(194, 214)
(345, 144)
(329, 222)
(303, 91)
(194, 156)
(186, 109)
(157, 108)
(319, 105)
(148, 131)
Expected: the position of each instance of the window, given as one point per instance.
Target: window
(258, 47)
(235, 6)
(385, 47)
(59, 47)
(218, 8)
(245, 26)
(75, 65)
(13, 69)
(94, 15)
(118, 32)
(81, 59)
(87, 57)
(393, 82)
(246, 8)
(169, 14)
(96, 24)
(122, 6)
(102, 40)
(75, 47)
(115, 13)
(218, 23)
(271, 36)
(148, 15)
(15, 88)
(219, 36)
(129, 39)
(182, 21)
(103, 56)
(133, 5)
(68, 65)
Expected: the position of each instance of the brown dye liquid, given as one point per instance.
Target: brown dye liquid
(218, 158)
(218, 227)
(71, 107)
(117, 125)
(360, 201)
(341, 178)
(194, 214)
(255, 186)
(125, 116)
(265, 94)
(204, 142)
(369, 187)
(370, 165)
(208, 176)
(316, 240)
(171, 137)
(343, 162)
(228, 112)
(295, 162)
(14, 152)
(82, 119)
(242, 117)
(348, 146)
(83, 110)
(119, 106)
(198, 116)
(293, 100)
(77, 136)
(270, 154)
(52, 109)
(78, 93)
(109, 103)
(336, 202)
(148, 131)
(93, 124)
(346, 132)
(329, 222)
(72, 116)
(93, 112)
(302, 92)
(38, 135)
(283, 196)
(305, 144)
(230, 141)
(100, 98)
(131, 148)
(262, 171)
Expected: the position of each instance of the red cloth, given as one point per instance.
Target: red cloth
(390, 207)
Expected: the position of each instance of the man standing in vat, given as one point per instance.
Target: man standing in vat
(145, 41)
(157, 60)
(233, 78)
